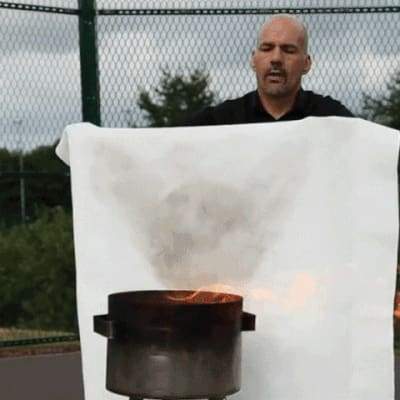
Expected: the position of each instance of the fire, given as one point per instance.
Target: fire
(215, 293)
(263, 295)
(396, 312)
(302, 289)
(294, 297)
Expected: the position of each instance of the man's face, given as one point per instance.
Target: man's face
(280, 59)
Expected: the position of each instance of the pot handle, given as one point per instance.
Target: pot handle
(248, 321)
(105, 326)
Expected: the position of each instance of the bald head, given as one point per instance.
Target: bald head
(289, 22)
(280, 59)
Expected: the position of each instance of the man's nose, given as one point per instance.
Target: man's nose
(276, 56)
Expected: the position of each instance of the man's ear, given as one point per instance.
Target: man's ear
(252, 64)
(308, 64)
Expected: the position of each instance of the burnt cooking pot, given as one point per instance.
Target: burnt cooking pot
(174, 344)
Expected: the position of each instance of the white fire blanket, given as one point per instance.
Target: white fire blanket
(300, 217)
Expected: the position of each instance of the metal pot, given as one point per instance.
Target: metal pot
(174, 344)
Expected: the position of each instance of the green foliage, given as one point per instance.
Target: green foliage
(385, 110)
(8, 160)
(175, 98)
(48, 187)
(37, 273)
(44, 158)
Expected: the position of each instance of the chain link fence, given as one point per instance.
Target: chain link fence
(354, 45)
(355, 48)
(40, 76)
(355, 51)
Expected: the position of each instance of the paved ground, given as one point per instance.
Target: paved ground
(41, 377)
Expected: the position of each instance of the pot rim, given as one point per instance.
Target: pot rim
(176, 297)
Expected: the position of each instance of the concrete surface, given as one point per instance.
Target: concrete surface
(41, 377)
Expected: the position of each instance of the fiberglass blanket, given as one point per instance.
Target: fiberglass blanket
(299, 217)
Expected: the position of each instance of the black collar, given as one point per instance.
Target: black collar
(298, 109)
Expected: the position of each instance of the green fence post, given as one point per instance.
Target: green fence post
(89, 62)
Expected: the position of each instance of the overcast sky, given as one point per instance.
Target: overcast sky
(39, 69)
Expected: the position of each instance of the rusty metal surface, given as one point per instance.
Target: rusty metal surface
(174, 344)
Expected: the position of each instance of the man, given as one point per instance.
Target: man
(280, 60)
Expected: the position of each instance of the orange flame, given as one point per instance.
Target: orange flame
(215, 293)
(295, 297)
(300, 292)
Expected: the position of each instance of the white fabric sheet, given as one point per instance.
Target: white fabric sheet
(299, 217)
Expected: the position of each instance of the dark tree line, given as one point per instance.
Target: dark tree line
(175, 98)
(45, 180)
(386, 108)
(37, 273)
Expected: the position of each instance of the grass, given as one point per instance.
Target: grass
(23, 342)
(40, 349)
(17, 334)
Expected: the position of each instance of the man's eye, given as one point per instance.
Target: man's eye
(265, 48)
(289, 49)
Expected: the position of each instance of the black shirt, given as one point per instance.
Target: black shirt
(248, 109)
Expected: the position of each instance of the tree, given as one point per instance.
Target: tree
(37, 273)
(46, 183)
(176, 97)
(386, 109)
